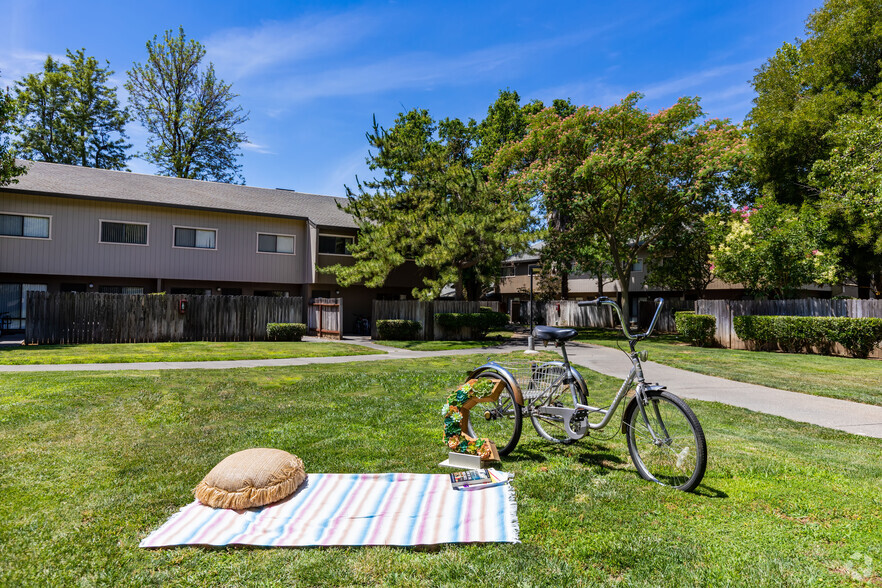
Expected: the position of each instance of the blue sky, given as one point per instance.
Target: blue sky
(313, 74)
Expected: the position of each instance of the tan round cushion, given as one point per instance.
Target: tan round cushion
(253, 477)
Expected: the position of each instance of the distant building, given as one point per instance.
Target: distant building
(69, 228)
(515, 284)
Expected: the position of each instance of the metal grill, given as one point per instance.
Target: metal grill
(534, 377)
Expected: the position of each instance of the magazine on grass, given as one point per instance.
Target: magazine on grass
(478, 478)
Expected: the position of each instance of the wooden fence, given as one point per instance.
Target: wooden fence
(325, 317)
(725, 310)
(424, 313)
(70, 317)
(568, 313)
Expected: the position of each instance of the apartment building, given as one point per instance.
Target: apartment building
(69, 228)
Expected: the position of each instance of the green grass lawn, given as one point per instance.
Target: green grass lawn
(845, 378)
(493, 339)
(90, 463)
(189, 351)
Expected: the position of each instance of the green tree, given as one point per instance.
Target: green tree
(771, 249)
(850, 180)
(188, 112)
(624, 174)
(42, 101)
(803, 92)
(94, 115)
(432, 203)
(680, 260)
(69, 113)
(8, 168)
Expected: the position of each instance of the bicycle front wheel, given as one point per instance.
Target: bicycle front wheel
(498, 421)
(552, 427)
(668, 446)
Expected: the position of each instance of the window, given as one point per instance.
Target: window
(275, 243)
(335, 244)
(120, 289)
(13, 302)
(123, 232)
(197, 238)
(638, 265)
(19, 225)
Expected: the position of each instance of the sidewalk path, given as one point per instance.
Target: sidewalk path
(852, 417)
(389, 353)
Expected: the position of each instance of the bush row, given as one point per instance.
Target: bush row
(795, 334)
(481, 322)
(398, 329)
(285, 331)
(698, 329)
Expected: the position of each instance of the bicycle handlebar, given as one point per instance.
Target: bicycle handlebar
(603, 300)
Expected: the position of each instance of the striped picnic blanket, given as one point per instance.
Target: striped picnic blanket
(354, 509)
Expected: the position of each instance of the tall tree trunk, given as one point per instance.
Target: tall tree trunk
(564, 284)
(863, 283)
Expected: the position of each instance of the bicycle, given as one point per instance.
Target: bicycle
(664, 438)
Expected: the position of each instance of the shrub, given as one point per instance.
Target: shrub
(481, 322)
(756, 331)
(285, 331)
(859, 336)
(698, 329)
(398, 329)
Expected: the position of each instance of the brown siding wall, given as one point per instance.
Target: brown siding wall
(73, 247)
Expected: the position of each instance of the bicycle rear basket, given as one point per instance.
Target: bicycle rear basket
(533, 377)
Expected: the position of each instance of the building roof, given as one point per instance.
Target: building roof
(100, 184)
(532, 255)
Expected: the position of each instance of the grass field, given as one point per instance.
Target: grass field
(90, 463)
(190, 351)
(834, 377)
(494, 339)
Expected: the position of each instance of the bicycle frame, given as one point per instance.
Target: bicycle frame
(581, 412)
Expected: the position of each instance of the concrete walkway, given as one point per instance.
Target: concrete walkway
(852, 417)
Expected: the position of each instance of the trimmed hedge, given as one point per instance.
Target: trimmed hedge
(480, 322)
(698, 329)
(398, 330)
(285, 331)
(794, 334)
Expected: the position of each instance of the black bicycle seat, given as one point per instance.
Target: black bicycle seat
(544, 333)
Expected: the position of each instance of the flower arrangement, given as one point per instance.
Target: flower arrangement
(453, 411)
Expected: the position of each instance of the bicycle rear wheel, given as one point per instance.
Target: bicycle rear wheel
(552, 427)
(498, 421)
(677, 455)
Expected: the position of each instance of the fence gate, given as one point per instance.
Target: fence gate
(326, 317)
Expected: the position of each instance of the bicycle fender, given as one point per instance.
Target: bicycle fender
(504, 375)
(580, 381)
(649, 390)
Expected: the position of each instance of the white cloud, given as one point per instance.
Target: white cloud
(418, 70)
(16, 64)
(249, 146)
(274, 48)
(679, 86)
(240, 52)
(343, 174)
